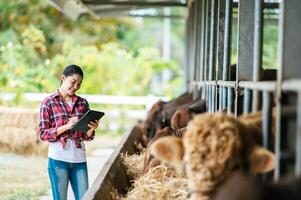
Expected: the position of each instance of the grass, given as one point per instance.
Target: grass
(23, 177)
(26, 178)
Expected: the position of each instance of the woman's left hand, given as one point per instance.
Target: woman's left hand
(92, 125)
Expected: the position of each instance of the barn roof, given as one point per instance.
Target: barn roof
(99, 8)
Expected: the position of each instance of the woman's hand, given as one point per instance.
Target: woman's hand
(92, 125)
(68, 126)
(71, 122)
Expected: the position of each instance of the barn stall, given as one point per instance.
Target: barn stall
(241, 89)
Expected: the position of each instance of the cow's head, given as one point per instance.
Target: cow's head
(214, 145)
(149, 127)
(149, 160)
(181, 118)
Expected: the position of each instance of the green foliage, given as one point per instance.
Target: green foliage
(118, 56)
(270, 43)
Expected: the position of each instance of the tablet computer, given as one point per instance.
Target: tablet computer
(82, 124)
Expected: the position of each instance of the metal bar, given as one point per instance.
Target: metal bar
(214, 98)
(191, 42)
(220, 39)
(186, 64)
(227, 40)
(298, 138)
(203, 46)
(245, 41)
(291, 85)
(278, 97)
(224, 97)
(221, 96)
(210, 98)
(266, 120)
(136, 3)
(247, 101)
(236, 93)
(207, 40)
(198, 30)
(267, 5)
(257, 50)
(291, 45)
(230, 100)
(212, 45)
(219, 83)
(157, 16)
(261, 86)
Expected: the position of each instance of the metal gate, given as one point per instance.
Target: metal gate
(245, 86)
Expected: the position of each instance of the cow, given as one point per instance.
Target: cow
(157, 116)
(254, 121)
(239, 185)
(213, 146)
(149, 161)
(182, 116)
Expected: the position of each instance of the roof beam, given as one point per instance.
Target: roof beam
(135, 3)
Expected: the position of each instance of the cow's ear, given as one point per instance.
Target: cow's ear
(168, 149)
(262, 160)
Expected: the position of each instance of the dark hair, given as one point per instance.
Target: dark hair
(73, 69)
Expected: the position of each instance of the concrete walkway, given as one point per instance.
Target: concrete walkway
(95, 163)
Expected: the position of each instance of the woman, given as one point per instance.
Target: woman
(66, 151)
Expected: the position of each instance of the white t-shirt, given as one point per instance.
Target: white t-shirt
(68, 154)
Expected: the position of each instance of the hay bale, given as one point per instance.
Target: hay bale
(159, 183)
(19, 132)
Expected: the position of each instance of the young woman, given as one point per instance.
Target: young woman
(66, 151)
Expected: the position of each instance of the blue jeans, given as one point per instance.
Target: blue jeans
(61, 172)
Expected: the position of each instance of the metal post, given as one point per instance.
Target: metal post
(227, 40)
(230, 100)
(221, 98)
(212, 46)
(224, 97)
(298, 138)
(257, 50)
(214, 98)
(247, 101)
(266, 120)
(207, 39)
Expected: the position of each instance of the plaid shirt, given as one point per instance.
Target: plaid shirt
(55, 112)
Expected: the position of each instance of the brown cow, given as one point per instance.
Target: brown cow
(239, 185)
(254, 121)
(149, 161)
(158, 116)
(182, 116)
(215, 145)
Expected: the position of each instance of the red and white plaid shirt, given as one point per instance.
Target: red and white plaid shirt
(55, 112)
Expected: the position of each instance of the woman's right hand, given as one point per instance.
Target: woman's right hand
(71, 122)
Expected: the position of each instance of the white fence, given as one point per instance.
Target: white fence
(146, 101)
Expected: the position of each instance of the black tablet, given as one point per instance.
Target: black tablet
(82, 124)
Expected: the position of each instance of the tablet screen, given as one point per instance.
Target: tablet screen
(82, 124)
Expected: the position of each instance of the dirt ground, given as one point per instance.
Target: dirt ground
(17, 171)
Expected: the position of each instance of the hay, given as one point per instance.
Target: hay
(19, 132)
(133, 164)
(159, 183)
